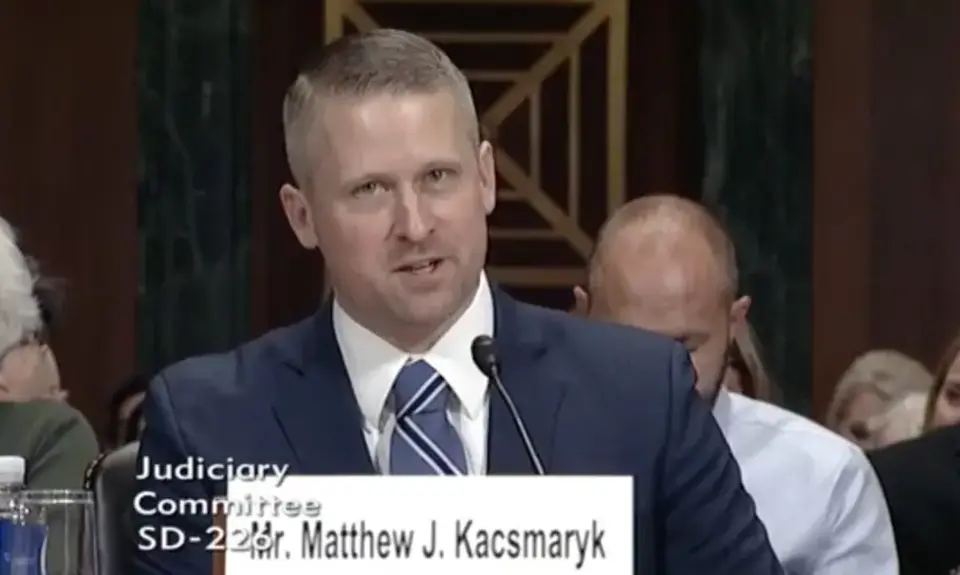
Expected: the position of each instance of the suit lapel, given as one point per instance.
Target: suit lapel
(317, 411)
(315, 405)
(537, 394)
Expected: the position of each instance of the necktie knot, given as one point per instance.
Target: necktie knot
(419, 389)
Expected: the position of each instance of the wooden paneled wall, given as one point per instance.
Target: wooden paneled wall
(68, 160)
(886, 265)
(886, 168)
(663, 131)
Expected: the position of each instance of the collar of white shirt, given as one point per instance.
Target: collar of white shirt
(373, 363)
(723, 410)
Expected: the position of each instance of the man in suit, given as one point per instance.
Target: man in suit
(664, 263)
(921, 479)
(394, 186)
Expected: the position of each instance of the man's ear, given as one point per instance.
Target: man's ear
(739, 310)
(581, 302)
(299, 215)
(488, 176)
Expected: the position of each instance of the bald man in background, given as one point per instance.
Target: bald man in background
(664, 264)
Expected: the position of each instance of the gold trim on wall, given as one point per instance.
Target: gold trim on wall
(563, 219)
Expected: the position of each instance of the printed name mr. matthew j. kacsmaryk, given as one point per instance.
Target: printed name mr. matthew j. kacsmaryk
(462, 539)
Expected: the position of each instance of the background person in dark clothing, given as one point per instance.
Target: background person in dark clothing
(921, 480)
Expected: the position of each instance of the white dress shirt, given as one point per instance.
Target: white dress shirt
(815, 492)
(373, 365)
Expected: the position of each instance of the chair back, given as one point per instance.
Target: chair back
(112, 479)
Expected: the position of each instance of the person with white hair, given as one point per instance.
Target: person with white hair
(872, 384)
(54, 439)
(902, 421)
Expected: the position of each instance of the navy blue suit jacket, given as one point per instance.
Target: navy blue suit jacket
(596, 399)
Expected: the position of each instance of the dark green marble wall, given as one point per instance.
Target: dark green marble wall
(756, 105)
(194, 204)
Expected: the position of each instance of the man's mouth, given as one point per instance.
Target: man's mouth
(421, 267)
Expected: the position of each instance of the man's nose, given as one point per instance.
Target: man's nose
(413, 222)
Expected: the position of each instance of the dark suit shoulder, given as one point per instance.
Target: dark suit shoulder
(922, 487)
(632, 408)
(612, 355)
(915, 466)
(224, 373)
(587, 330)
(618, 379)
(895, 464)
(200, 392)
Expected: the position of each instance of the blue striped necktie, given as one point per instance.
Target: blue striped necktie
(424, 442)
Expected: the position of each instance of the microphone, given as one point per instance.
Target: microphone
(484, 351)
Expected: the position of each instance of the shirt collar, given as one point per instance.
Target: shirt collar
(723, 409)
(373, 364)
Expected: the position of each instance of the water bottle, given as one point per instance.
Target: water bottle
(12, 472)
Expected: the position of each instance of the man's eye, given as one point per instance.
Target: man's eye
(437, 175)
(367, 189)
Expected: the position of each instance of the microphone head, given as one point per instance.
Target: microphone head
(484, 351)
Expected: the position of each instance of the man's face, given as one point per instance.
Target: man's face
(398, 201)
(674, 292)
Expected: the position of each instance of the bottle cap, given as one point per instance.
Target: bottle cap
(13, 468)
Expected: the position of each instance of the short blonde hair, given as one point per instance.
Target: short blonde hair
(903, 420)
(19, 312)
(359, 65)
(885, 372)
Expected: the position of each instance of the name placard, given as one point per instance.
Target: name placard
(346, 525)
